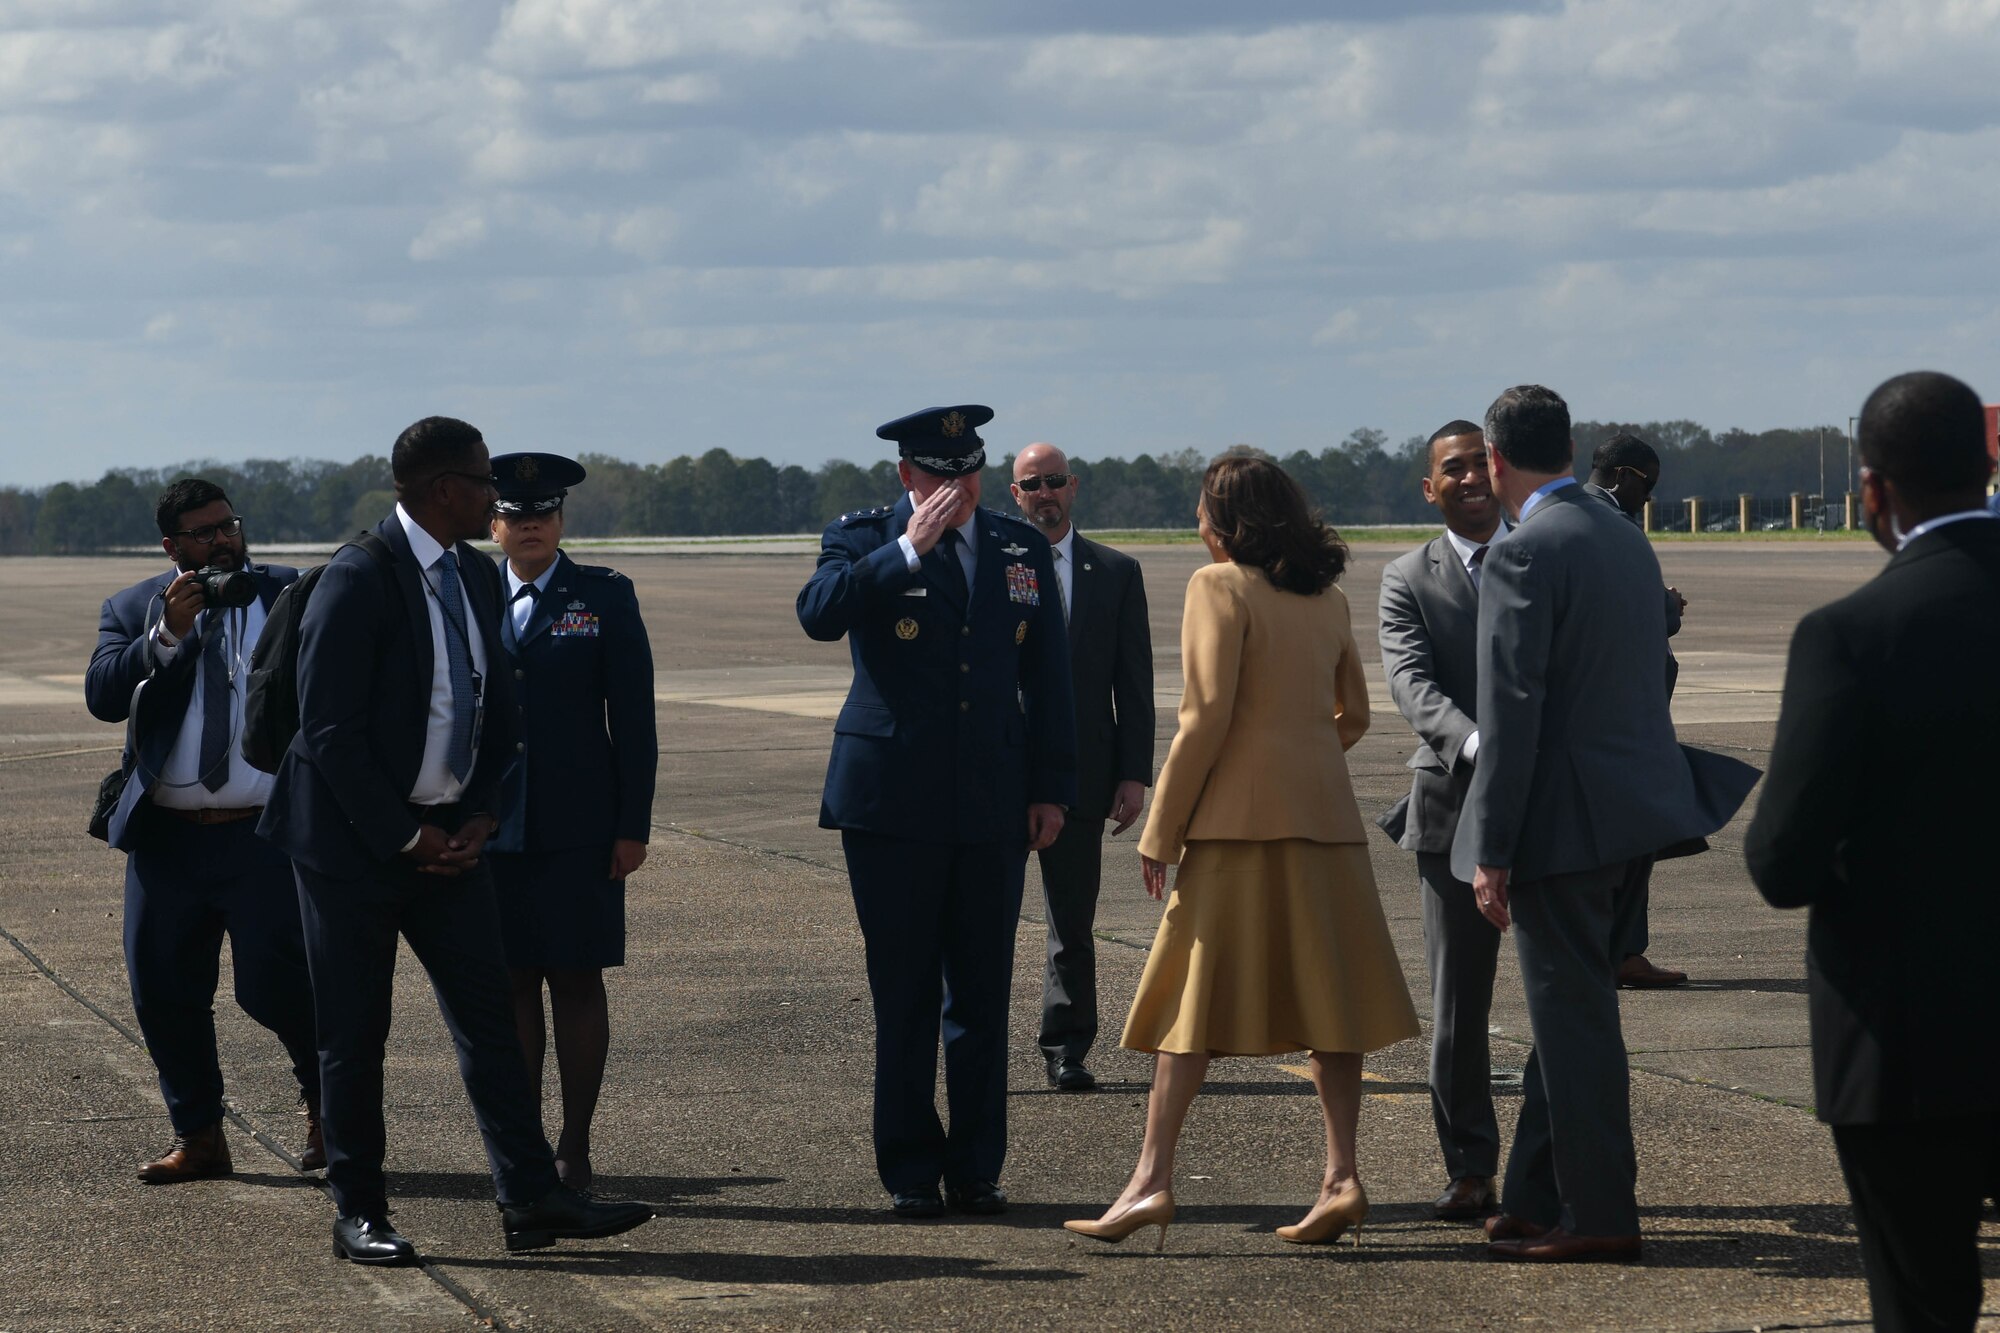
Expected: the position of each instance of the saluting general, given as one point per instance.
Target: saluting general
(576, 805)
(953, 757)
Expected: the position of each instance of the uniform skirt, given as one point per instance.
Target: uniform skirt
(1269, 947)
(557, 910)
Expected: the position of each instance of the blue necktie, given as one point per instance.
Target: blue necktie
(215, 710)
(458, 657)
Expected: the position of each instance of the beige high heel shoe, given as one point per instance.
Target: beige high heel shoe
(1325, 1224)
(1155, 1210)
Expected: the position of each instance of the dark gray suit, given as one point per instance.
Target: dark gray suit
(1111, 668)
(1429, 624)
(1578, 773)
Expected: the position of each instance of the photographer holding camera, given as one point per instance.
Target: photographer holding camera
(172, 655)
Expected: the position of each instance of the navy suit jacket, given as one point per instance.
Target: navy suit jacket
(340, 802)
(583, 694)
(960, 716)
(124, 660)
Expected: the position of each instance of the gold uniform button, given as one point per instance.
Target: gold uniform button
(520, 747)
(965, 705)
(964, 667)
(965, 631)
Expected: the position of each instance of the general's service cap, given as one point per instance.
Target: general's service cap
(943, 441)
(533, 483)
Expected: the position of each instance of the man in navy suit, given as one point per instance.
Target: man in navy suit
(953, 757)
(1103, 597)
(195, 866)
(384, 803)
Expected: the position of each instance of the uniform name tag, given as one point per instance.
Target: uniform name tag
(575, 625)
(1023, 586)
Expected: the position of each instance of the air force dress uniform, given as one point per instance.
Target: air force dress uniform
(582, 672)
(959, 718)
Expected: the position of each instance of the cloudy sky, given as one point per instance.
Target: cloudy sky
(649, 227)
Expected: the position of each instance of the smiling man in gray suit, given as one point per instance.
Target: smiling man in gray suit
(1578, 774)
(1429, 621)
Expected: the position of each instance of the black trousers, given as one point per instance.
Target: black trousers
(938, 920)
(1071, 867)
(1918, 1189)
(351, 928)
(186, 885)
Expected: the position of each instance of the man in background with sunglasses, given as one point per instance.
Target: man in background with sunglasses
(1624, 472)
(187, 820)
(1111, 670)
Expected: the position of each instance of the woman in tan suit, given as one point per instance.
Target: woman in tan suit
(1273, 939)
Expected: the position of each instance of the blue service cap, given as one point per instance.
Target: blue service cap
(943, 441)
(533, 483)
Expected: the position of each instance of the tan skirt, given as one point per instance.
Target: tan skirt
(1268, 947)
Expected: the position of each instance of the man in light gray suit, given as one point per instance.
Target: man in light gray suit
(1429, 618)
(1578, 773)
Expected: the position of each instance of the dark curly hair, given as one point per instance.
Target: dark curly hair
(1261, 517)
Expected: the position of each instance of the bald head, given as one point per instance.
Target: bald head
(1044, 488)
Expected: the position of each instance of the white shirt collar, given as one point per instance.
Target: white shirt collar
(1067, 546)
(1933, 524)
(1467, 548)
(1542, 493)
(422, 545)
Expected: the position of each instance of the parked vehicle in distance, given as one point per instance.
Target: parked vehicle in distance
(1727, 523)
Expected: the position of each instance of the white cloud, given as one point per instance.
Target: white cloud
(448, 235)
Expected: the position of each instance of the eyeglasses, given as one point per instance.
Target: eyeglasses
(483, 478)
(1646, 483)
(1055, 481)
(208, 532)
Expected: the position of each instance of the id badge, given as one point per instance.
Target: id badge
(478, 709)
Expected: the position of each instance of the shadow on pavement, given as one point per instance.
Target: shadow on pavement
(814, 1270)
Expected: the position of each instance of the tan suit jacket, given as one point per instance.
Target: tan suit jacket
(1274, 699)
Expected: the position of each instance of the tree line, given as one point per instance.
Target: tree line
(1363, 479)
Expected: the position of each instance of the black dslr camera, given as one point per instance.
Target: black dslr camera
(223, 588)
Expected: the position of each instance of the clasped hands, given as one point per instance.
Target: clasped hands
(451, 854)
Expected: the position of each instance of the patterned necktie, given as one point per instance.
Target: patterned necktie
(458, 658)
(215, 709)
(1478, 559)
(954, 568)
(1060, 594)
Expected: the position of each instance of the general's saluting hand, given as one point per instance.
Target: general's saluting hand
(933, 516)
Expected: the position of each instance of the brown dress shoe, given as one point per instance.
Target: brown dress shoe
(1635, 973)
(195, 1156)
(1506, 1226)
(1469, 1199)
(1559, 1247)
(313, 1158)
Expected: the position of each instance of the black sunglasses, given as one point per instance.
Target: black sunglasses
(1055, 481)
(208, 532)
(483, 478)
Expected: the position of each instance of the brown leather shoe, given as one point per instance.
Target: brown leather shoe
(195, 1156)
(1506, 1226)
(1559, 1247)
(1635, 973)
(1469, 1199)
(313, 1158)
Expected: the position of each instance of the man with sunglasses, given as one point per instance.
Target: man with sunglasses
(384, 803)
(1103, 598)
(195, 868)
(1624, 471)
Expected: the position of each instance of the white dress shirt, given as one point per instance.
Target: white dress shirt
(1065, 554)
(435, 783)
(521, 608)
(179, 785)
(1466, 548)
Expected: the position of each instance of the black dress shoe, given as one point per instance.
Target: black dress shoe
(917, 1203)
(1067, 1074)
(563, 1214)
(366, 1239)
(980, 1197)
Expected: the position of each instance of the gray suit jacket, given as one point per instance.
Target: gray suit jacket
(1578, 765)
(1428, 632)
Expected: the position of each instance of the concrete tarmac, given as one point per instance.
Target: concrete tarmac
(738, 1093)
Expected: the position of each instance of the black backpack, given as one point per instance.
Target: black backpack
(271, 700)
